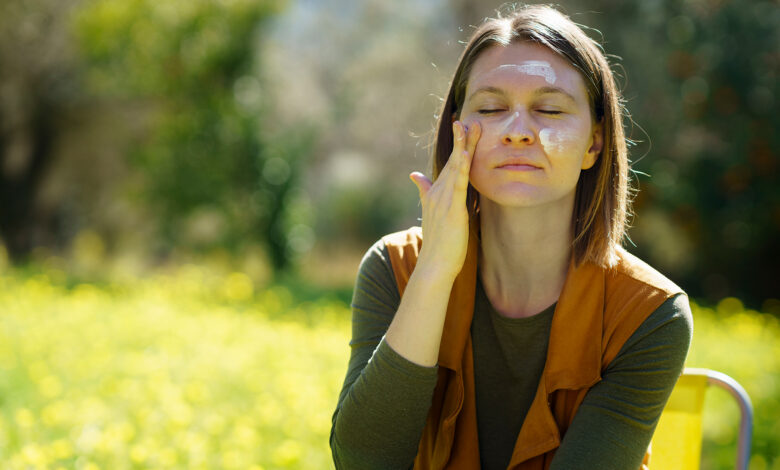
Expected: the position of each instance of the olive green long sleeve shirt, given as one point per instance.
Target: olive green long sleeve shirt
(385, 398)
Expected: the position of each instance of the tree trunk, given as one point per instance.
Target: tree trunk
(18, 189)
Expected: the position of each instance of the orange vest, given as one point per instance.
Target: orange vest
(598, 310)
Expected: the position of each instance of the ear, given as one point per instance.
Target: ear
(596, 146)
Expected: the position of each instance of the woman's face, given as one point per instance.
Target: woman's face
(537, 129)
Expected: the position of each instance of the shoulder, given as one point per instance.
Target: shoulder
(674, 316)
(403, 248)
(392, 255)
(631, 281)
(381, 252)
(410, 237)
(633, 290)
(375, 258)
(671, 323)
(632, 270)
(375, 283)
(663, 338)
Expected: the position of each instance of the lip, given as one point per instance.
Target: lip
(518, 164)
(519, 167)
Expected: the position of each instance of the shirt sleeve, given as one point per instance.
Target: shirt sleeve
(615, 422)
(385, 398)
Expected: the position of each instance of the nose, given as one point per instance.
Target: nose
(518, 130)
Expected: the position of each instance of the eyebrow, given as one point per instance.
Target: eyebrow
(545, 90)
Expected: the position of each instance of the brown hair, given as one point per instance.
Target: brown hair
(602, 195)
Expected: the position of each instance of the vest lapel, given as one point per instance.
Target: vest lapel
(458, 442)
(573, 358)
(460, 310)
(574, 351)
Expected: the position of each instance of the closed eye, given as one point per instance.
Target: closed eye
(489, 111)
(552, 112)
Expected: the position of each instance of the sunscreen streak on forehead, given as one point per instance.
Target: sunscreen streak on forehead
(534, 67)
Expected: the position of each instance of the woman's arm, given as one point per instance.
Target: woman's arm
(385, 398)
(614, 424)
(370, 422)
(416, 330)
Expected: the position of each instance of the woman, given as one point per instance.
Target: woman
(519, 334)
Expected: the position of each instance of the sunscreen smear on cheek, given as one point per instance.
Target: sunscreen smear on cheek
(554, 141)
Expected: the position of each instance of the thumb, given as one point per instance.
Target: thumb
(421, 181)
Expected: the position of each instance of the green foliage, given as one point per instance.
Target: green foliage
(366, 213)
(701, 79)
(216, 169)
(175, 48)
(722, 61)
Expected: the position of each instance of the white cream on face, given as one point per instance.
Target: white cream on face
(508, 120)
(555, 141)
(538, 68)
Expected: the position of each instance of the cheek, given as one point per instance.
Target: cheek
(478, 164)
(561, 142)
(480, 172)
(470, 121)
(490, 136)
(485, 150)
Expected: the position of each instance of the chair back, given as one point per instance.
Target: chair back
(677, 440)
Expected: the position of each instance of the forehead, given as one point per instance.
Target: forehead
(524, 64)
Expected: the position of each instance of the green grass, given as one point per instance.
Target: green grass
(191, 370)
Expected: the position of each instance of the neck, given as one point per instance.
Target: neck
(524, 255)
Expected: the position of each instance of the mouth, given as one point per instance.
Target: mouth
(519, 165)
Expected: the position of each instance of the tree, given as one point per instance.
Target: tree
(38, 88)
(214, 148)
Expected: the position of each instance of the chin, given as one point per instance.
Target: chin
(522, 196)
(526, 196)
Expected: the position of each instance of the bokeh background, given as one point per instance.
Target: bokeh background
(187, 188)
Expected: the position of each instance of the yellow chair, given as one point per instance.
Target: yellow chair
(677, 440)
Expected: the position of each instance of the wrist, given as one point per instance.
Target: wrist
(435, 272)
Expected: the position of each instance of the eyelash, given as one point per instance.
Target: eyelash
(491, 111)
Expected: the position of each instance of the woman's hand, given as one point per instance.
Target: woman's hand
(415, 332)
(445, 219)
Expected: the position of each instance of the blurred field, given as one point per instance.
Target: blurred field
(181, 371)
(744, 344)
(198, 371)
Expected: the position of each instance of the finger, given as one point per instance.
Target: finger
(474, 133)
(458, 144)
(421, 181)
(472, 136)
(459, 136)
(462, 175)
